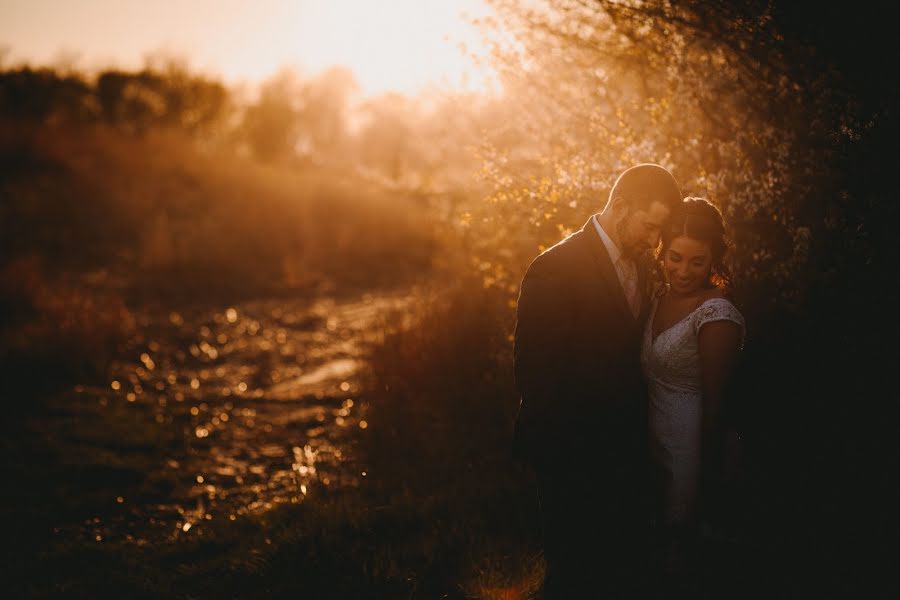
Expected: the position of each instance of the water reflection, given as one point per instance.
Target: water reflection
(263, 399)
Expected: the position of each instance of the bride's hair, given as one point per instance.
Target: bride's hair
(699, 219)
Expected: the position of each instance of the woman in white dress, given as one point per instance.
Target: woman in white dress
(692, 338)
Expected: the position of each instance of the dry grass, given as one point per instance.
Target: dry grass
(438, 448)
(444, 378)
(159, 211)
(55, 330)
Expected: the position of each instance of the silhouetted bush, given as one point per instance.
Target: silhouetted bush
(55, 331)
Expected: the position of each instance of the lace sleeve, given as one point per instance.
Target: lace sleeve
(718, 309)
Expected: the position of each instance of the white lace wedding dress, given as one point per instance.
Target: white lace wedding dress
(671, 364)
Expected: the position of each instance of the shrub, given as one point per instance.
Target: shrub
(56, 331)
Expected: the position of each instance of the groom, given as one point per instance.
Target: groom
(582, 421)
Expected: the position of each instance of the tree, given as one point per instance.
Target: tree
(43, 95)
(326, 104)
(171, 98)
(271, 126)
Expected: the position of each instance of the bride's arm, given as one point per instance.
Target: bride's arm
(719, 344)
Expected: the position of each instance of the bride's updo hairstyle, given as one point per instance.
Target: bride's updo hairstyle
(700, 220)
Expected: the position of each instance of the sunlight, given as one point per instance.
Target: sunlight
(402, 45)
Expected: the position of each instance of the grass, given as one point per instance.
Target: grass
(158, 215)
(441, 416)
(442, 512)
(470, 538)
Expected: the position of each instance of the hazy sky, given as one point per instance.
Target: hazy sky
(390, 44)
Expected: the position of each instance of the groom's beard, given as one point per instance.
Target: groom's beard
(634, 251)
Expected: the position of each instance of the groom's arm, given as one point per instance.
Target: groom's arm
(543, 333)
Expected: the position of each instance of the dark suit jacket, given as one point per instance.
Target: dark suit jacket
(577, 364)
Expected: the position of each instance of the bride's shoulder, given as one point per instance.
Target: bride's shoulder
(714, 295)
(717, 305)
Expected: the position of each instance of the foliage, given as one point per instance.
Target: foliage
(290, 120)
(154, 213)
(132, 101)
(293, 116)
(749, 105)
(444, 396)
(53, 329)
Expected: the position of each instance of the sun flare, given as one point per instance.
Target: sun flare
(402, 45)
(399, 45)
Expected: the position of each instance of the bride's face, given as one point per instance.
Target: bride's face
(688, 263)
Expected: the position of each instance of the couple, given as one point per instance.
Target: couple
(621, 376)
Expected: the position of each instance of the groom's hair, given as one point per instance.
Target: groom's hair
(645, 183)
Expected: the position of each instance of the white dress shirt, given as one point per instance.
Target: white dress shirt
(625, 269)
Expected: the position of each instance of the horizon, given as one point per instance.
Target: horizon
(410, 48)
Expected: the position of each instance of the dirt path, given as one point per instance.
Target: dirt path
(255, 403)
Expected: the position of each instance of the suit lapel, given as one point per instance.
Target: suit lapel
(607, 270)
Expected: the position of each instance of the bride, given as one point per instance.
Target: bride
(691, 340)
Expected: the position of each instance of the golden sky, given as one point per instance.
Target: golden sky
(403, 45)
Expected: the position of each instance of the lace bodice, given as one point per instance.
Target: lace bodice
(672, 360)
(671, 364)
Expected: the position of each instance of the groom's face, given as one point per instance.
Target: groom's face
(639, 229)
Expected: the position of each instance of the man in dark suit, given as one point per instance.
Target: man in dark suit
(582, 421)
